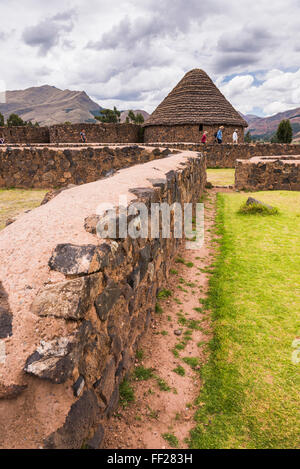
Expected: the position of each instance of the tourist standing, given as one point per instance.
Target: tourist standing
(204, 137)
(83, 136)
(2, 140)
(235, 136)
(220, 134)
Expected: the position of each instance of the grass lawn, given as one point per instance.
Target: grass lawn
(221, 177)
(250, 397)
(15, 201)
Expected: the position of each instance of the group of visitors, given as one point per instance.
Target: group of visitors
(219, 136)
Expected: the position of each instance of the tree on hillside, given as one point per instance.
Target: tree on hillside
(248, 138)
(135, 118)
(109, 116)
(284, 132)
(15, 120)
(2, 123)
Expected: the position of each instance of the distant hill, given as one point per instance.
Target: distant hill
(265, 127)
(124, 114)
(49, 105)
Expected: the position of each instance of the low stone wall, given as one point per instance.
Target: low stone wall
(225, 155)
(95, 133)
(44, 167)
(25, 134)
(268, 173)
(74, 307)
(189, 133)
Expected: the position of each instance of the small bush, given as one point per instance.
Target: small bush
(257, 209)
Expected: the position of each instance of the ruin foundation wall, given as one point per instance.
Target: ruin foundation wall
(225, 155)
(74, 307)
(95, 133)
(265, 174)
(43, 167)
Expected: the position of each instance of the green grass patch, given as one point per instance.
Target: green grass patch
(126, 393)
(162, 384)
(250, 397)
(179, 370)
(193, 362)
(171, 439)
(143, 374)
(163, 294)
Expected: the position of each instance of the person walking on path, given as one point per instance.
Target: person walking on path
(83, 136)
(220, 134)
(235, 136)
(204, 137)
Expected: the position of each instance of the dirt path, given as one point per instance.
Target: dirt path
(164, 403)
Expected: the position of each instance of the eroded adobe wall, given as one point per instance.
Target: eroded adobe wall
(225, 155)
(257, 174)
(43, 167)
(189, 133)
(74, 307)
(25, 134)
(95, 133)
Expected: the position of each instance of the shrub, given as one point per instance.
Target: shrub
(257, 209)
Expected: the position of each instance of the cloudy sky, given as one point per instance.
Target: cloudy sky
(131, 53)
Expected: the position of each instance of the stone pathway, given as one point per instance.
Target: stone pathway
(162, 414)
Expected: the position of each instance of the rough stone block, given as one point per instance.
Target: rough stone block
(69, 300)
(75, 260)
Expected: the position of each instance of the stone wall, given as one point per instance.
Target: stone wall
(44, 167)
(96, 133)
(25, 134)
(225, 155)
(189, 133)
(260, 174)
(74, 307)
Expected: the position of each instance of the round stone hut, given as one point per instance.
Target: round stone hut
(195, 105)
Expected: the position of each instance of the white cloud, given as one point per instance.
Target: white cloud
(138, 50)
(279, 92)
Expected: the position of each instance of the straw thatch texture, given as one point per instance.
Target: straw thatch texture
(195, 100)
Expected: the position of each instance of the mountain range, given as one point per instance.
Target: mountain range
(265, 127)
(49, 105)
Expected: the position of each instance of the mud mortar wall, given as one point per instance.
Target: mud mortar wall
(58, 167)
(74, 307)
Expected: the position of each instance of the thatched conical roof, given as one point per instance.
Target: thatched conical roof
(195, 100)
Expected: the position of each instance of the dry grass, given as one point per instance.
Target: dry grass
(13, 202)
(221, 177)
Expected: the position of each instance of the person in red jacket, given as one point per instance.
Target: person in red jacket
(204, 137)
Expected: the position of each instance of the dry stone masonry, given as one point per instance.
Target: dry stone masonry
(74, 306)
(95, 133)
(53, 167)
(268, 173)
